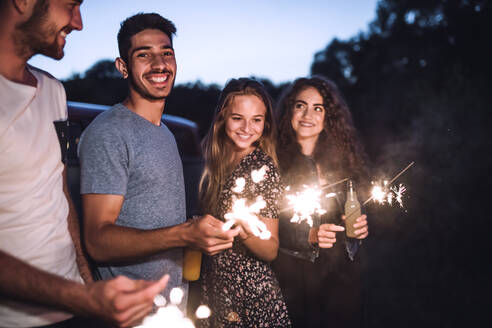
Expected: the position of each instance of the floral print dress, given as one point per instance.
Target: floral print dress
(240, 289)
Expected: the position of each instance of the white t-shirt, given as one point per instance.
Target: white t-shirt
(33, 207)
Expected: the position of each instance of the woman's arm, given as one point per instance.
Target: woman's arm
(263, 249)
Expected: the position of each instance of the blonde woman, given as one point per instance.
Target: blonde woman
(238, 284)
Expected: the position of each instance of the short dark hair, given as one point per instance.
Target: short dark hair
(136, 24)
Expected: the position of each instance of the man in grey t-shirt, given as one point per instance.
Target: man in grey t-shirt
(132, 180)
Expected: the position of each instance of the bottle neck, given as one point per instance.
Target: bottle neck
(351, 195)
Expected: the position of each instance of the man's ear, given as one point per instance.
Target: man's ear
(22, 6)
(121, 67)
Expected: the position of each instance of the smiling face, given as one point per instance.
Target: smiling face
(151, 66)
(244, 122)
(51, 21)
(308, 115)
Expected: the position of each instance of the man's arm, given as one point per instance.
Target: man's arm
(108, 242)
(121, 301)
(75, 233)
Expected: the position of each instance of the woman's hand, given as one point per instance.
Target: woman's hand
(244, 232)
(262, 246)
(325, 235)
(362, 229)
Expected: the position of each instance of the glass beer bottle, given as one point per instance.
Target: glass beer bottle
(191, 264)
(352, 210)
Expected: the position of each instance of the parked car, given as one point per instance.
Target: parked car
(80, 115)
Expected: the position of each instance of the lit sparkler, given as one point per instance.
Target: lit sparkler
(170, 315)
(245, 214)
(386, 193)
(248, 215)
(239, 187)
(305, 204)
(328, 185)
(203, 312)
(379, 193)
(258, 175)
(398, 193)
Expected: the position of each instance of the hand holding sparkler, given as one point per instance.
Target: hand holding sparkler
(246, 206)
(208, 235)
(169, 314)
(247, 217)
(260, 237)
(123, 301)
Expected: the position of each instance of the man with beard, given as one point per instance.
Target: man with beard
(42, 266)
(131, 175)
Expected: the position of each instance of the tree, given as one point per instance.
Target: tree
(103, 69)
(100, 84)
(418, 85)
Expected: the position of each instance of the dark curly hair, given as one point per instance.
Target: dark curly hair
(338, 151)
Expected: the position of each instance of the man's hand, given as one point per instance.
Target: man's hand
(205, 233)
(123, 301)
(362, 229)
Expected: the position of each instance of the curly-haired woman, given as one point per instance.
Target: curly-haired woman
(318, 267)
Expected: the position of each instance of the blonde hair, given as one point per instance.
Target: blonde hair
(217, 148)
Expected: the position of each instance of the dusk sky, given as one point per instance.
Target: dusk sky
(219, 39)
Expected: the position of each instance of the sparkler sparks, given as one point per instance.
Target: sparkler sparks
(239, 187)
(384, 193)
(248, 215)
(330, 195)
(378, 192)
(203, 312)
(305, 204)
(176, 296)
(398, 192)
(258, 175)
(245, 214)
(381, 194)
(171, 315)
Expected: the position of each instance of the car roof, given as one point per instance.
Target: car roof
(184, 130)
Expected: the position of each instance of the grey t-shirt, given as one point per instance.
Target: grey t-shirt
(122, 153)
